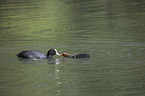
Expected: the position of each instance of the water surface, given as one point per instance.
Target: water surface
(112, 32)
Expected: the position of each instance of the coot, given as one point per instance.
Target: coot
(80, 55)
(37, 55)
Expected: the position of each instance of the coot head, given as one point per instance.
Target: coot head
(52, 52)
(65, 55)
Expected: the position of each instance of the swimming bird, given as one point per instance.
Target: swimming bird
(37, 55)
(79, 56)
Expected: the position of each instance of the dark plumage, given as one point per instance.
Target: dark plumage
(37, 55)
(80, 55)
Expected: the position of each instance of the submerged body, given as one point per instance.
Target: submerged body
(80, 55)
(37, 55)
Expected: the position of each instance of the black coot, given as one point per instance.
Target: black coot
(37, 55)
(80, 55)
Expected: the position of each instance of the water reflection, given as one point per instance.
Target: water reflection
(57, 70)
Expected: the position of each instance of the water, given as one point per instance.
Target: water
(112, 32)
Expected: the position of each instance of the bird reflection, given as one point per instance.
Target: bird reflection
(57, 70)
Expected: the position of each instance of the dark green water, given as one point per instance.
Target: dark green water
(112, 32)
